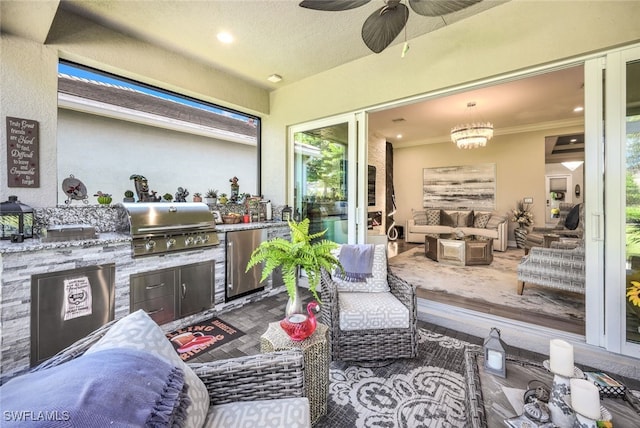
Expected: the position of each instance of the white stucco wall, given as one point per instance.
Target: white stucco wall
(103, 153)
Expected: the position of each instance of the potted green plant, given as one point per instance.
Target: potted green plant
(211, 197)
(303, 251)
(103, 198)
(167, 197)
(128, 196)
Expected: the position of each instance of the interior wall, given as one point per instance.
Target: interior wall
(514, 36)
(520, 171)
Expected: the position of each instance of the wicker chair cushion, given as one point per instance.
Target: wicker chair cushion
(377, 283)
(371, 311)
(139, 331)
(284, 412)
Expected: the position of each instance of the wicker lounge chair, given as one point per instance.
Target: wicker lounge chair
(373, 342)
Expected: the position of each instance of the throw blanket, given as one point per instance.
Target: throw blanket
(111, 388)
(357, 261)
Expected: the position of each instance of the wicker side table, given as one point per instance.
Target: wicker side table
(315, 350)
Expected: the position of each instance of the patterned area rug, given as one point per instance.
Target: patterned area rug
(495, 283)
(428, 391)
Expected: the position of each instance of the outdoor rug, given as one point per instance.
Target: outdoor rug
(202, 336)
(495, 283)
(427, 391)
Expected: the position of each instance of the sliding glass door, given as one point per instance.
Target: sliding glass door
(622, 201)
(325, 175)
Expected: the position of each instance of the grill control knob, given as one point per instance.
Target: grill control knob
(188, 240)
(171, 242)
(150, 245)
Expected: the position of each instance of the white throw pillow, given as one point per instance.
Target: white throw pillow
(378, 282)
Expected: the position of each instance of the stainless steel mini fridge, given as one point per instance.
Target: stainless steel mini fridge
(67, 305)
(240, 245)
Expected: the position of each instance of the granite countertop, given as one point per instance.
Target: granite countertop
(36, 244)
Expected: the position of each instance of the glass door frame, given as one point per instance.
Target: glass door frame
(356, 177)
(615, 190)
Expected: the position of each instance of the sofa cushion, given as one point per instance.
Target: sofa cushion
(494, 221)
(139, 331)
(465, 219)
(377, 282)
(356, 311)
(284, 412)
(433, 217)
(419, 217)
(448, 218)
(480, 220)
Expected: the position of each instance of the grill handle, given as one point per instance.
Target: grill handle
(184, 290)
(230, 264)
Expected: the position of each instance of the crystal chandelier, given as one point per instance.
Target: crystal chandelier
(472, 135)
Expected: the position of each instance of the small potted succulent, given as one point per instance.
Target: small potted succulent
(197, 197)
(103, 198)
(211, 197)
(167, 197)
(128, 196)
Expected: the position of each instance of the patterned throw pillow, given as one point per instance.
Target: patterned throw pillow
(480, 220)
(378, 282)
(448, 218)
(494, 221)
(419, 217)
(465, 219)
(433, 217)
(138, 331)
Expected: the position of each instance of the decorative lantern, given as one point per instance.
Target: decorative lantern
(16, 220)
(286, 213)
(495, 354)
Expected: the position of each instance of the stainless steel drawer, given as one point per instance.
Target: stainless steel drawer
(161, 309)
(151, 285)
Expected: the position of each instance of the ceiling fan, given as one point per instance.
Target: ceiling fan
(384, 25)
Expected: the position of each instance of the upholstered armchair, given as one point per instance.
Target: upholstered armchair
(553, 267)
(370, 320)
(570, 238)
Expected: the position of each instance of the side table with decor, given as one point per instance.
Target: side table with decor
(316, 357)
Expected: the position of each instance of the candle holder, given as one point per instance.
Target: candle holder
(584, 422)
(562, 415)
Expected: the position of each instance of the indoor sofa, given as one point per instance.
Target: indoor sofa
(481, 224)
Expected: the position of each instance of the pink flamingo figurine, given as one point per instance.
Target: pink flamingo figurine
(300, 326)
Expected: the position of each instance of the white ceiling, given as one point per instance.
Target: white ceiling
(278, 36)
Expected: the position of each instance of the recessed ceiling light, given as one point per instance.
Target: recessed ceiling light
(578, 109)
(274, 78)
(399, 136)
(225, 37)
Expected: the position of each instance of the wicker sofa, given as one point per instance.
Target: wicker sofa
(257, 390)
(436, 221)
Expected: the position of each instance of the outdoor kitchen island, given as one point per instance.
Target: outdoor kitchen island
(20, 261)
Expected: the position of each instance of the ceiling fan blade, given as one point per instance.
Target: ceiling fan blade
(381, 28)
(439, 7)
(332, 5)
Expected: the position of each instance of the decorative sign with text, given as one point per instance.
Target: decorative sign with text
(23, 162)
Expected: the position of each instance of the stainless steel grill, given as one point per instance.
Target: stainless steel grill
(158, 227)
